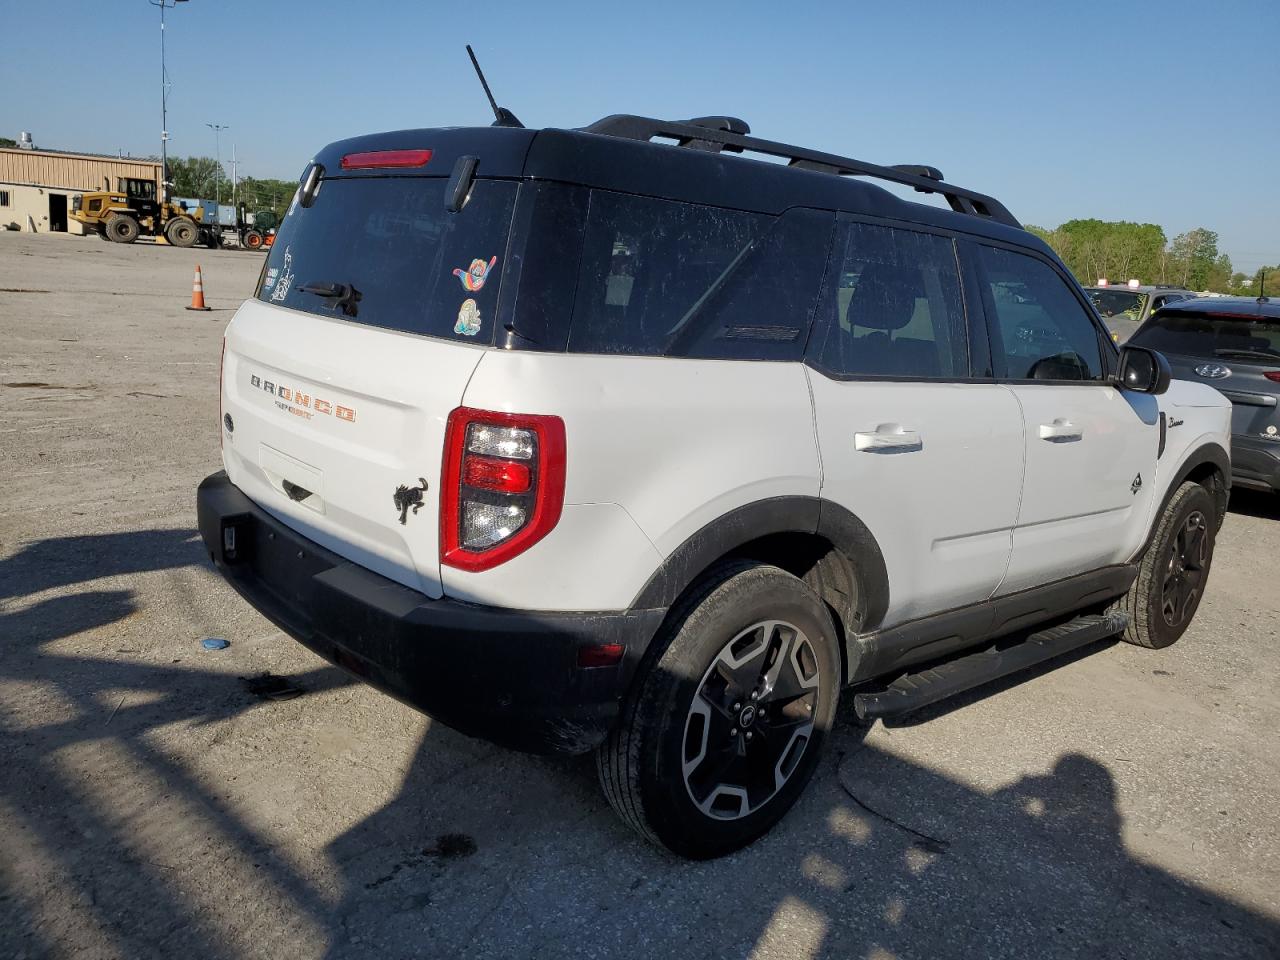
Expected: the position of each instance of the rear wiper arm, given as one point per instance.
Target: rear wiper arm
(345, 295)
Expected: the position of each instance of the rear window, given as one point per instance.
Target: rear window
(662, 278)
(1206, 335)
(1118, 304)
(415, 266)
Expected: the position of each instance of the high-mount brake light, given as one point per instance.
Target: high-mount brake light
(386, 158)
(502, 486)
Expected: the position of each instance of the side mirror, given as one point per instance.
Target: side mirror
(1143, 370)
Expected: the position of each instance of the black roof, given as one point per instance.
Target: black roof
(1236, 307)
(623, 160)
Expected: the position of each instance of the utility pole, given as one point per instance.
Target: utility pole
(217, 128)
(235, 181)
(164, 102)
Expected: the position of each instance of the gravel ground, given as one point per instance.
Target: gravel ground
(152, 804)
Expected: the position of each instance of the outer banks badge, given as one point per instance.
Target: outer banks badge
(468, 318)
(474, 276)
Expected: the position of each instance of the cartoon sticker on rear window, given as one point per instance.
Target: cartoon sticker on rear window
(285, 280)
(271, 278)
(468, 318)
(474, 276)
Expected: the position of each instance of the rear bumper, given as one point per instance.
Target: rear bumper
(1255, 463)
(503, 675)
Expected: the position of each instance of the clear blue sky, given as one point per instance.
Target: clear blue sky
(1161, 111)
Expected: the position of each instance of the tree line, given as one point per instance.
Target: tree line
(1119, 251)
(198, 178)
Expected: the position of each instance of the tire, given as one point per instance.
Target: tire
(121, 228)
(253, 240)
(181, 232)
(1174, 571)
(742, 625)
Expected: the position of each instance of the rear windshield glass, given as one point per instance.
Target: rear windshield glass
(413, 266)
(1119, 304)
(1206, 335)
(661, 278)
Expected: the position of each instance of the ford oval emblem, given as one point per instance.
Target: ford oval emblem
(1213, 371)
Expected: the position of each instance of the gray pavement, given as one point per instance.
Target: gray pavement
(1124, 804)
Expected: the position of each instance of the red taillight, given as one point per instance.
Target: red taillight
(1273, 375)
(386, 158)
(502, 486)
(601, 655)
(490, 473)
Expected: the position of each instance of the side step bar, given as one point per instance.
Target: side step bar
(912, 691)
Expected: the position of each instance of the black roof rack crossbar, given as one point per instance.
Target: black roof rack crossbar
(729, 133)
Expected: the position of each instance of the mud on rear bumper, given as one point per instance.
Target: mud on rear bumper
(503, 675)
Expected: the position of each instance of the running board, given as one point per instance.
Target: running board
(911, 691)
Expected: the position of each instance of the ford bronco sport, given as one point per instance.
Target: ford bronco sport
(580, 441)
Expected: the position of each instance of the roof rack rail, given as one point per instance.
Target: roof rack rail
(715, 134)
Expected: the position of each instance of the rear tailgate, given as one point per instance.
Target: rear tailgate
(375, 306)
(1234, 348)
(330, 419)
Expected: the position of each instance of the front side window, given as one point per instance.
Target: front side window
(1040, 330)
(894, 307)
(139, 189)
(665, 278)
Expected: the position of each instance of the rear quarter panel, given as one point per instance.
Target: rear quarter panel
(656, 449)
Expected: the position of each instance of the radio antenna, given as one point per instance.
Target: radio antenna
(504, 117)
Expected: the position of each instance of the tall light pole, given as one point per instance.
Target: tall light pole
(217, 129)
(164, 102)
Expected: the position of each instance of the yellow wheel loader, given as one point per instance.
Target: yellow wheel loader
(133, 211)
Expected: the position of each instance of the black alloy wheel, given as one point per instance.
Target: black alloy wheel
(750, 720)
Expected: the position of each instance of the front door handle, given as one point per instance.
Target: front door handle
(1061, 431)
(888, 438)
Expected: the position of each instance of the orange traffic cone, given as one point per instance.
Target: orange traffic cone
(197, 292)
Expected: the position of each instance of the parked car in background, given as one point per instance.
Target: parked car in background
(1124, 309)
(1233, 344)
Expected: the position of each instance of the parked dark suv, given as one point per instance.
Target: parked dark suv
(1233, 344)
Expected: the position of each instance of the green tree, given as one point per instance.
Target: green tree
(6, 142)
(1194, 259)
(193, 177)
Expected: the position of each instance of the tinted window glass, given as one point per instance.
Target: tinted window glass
(1042, 331)
(417, 267)
(1119, 304)
(897, 308)
(677, 279)
(1203, 335)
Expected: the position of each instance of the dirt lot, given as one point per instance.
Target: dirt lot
(152, 804)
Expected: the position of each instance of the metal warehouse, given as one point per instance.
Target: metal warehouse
(36, 186)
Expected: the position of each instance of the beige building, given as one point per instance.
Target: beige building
(36, 186)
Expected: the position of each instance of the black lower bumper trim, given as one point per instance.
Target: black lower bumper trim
(503, 675)
(1255, 463)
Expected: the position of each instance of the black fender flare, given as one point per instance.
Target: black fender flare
(846, 533)
(1207, 453)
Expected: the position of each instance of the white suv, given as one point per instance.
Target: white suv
(577, 441)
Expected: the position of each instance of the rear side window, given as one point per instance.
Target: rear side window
(415, 266)
(662, 278)
(894, 307)
(1041, 331)
(1207, 335)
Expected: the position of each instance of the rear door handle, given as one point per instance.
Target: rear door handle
(1061, 431)
(888, 438)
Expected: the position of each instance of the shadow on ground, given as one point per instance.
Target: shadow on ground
(484, 853)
